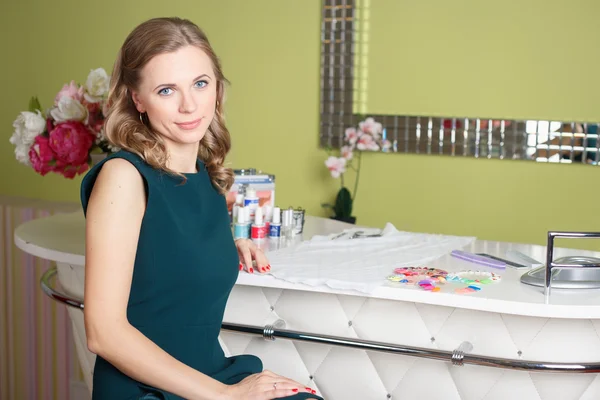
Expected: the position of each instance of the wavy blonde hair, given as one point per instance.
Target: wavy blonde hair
(124, 127)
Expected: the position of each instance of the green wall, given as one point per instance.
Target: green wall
(270, 52)
(529, 59)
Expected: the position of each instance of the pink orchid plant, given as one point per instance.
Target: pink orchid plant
(367, 137)
(62, 138)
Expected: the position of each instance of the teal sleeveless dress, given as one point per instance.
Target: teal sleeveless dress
(185, 268)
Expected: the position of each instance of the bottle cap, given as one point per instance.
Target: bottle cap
(276, 215)
(258, 216)
(287, 218)
(241, 215)
(268, 212)
(239, 199)
(250, 193)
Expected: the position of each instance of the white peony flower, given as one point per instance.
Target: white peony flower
(69, 109)
(30, 124)
(27, 126)
(22, 154)
(96, 85)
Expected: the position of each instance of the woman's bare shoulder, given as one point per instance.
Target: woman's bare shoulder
(119, 185)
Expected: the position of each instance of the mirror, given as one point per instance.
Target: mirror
(344, 93)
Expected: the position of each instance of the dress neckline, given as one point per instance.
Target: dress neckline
(199, 166)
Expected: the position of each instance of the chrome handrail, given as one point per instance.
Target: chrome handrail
(457, 357)
(550, 264)
(54, 294)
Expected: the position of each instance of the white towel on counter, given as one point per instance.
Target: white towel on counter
(359, 264)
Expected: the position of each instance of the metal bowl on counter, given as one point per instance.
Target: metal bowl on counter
(579, 278)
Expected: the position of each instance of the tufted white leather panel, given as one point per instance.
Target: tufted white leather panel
(347, 374)
(342, 373)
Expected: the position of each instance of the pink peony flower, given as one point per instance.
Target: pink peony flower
(49, 124)
(92, 107)
(71, 142)
(71, 90)
(336, 166)
(96, 115)
(41, 155)
(69, 171)
(96, 121)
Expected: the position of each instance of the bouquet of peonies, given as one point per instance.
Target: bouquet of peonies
(368, 137)
(61, 139)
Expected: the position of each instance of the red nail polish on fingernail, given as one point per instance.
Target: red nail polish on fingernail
(309, 389)
(241, 266)
(294, 390)
(251, 270)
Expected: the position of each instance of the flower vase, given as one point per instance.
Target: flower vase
(349, 220)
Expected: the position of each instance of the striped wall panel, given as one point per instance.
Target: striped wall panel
(37, 356)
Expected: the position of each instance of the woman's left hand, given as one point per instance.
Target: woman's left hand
(249, 252)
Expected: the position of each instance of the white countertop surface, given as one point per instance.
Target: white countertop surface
(61, 238)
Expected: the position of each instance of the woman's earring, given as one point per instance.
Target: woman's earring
(141, 119)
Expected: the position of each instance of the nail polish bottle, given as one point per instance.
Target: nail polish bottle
(275, 226)
(287, 223)
(239, 199)
(248, 221)
(251, 201)
(240, 229)
(259, 230)
(239, 202)
(268, 213)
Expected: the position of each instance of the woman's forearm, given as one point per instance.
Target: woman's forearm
(135, 355)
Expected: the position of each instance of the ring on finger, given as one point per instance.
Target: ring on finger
(275, 385)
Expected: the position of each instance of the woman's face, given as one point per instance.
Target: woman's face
(178, 91)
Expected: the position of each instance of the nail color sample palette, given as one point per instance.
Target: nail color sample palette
(430, 279)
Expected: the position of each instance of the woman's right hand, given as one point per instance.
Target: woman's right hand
(265, 385)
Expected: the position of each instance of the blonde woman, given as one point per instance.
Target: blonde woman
(160, 257)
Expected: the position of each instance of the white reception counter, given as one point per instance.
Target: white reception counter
(506, 320)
